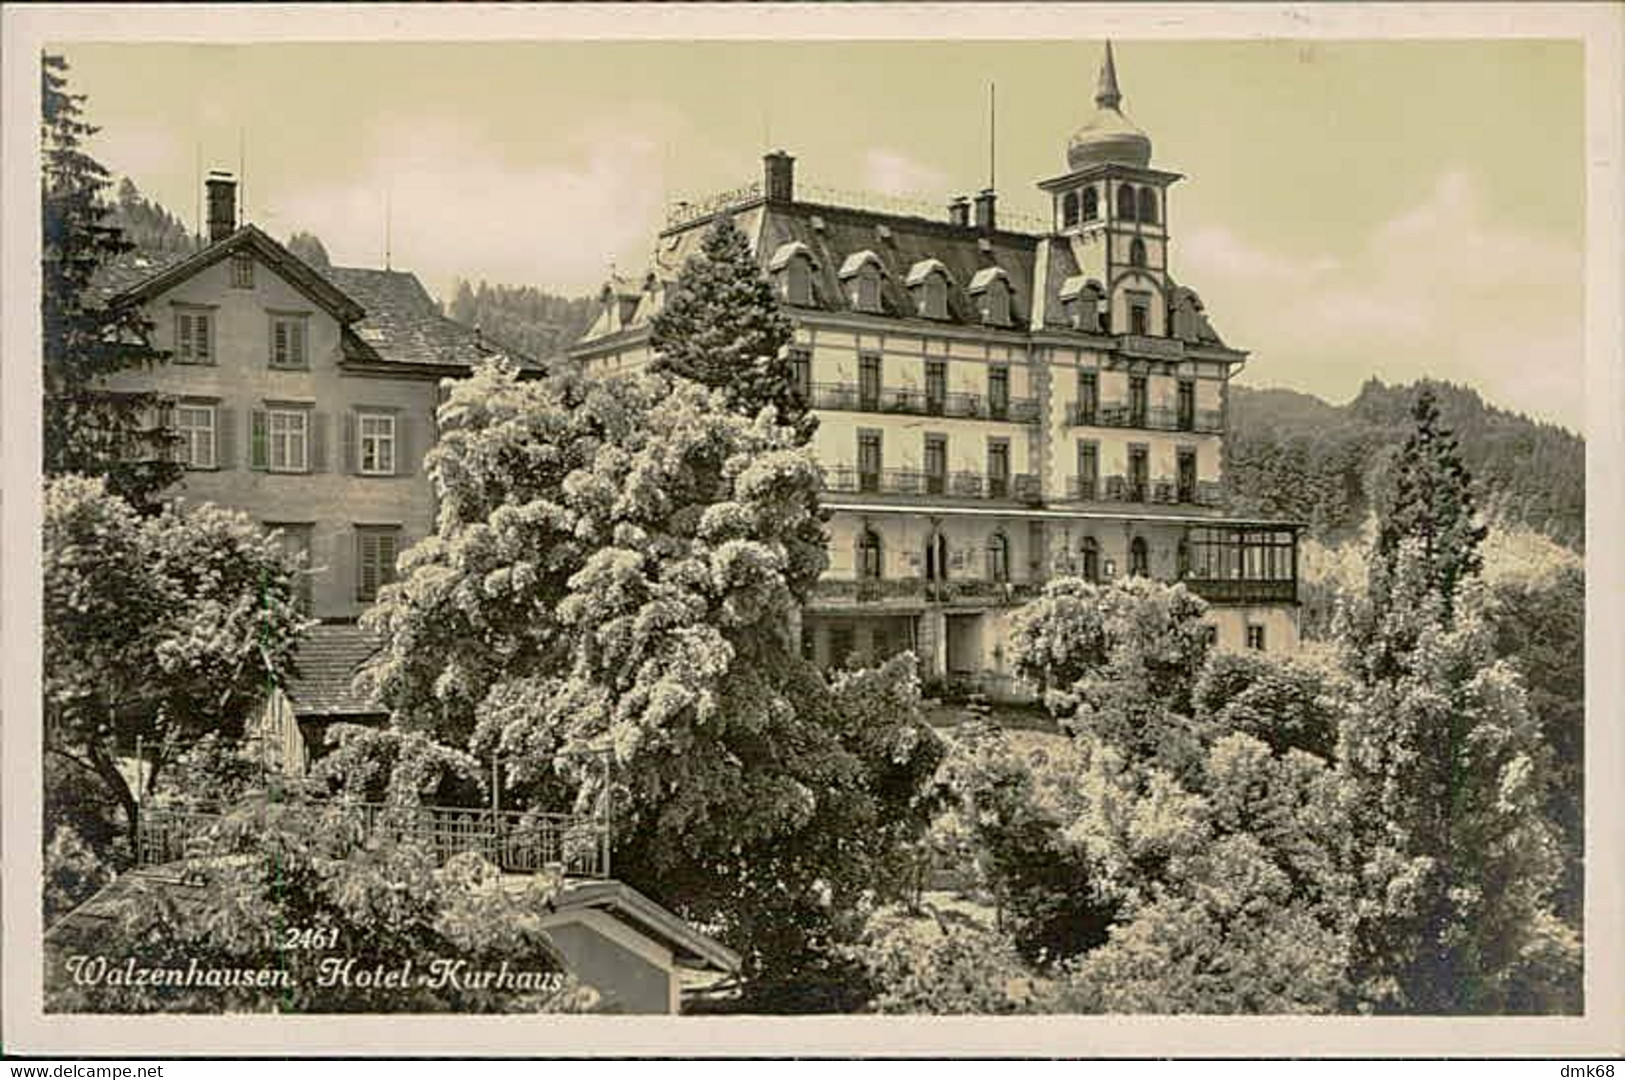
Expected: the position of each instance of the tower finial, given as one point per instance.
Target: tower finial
(1107, 96)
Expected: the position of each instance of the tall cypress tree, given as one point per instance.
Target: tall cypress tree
(90, 428)
(722, 327)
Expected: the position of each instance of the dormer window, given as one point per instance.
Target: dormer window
(860, 278)
(792, 267)
(1083, 300)
(1148, 206)
(1125, 202)
(928, 280)
(990, 289)
(1091, 204)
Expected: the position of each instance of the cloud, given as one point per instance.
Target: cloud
(1445, 288)
(894, 173)
(460, 205)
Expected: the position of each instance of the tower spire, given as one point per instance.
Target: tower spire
(1107, 96)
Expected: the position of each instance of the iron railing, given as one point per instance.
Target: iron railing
(1150, 418)
(913, 401)
(955, 590)
(1217, 591)
(846, 480)
(516, 841)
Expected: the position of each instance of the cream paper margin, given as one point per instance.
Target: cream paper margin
(26, 1030)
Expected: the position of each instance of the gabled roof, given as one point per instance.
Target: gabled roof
(295, 270)
(327, 661)
(402, 324)
(689, 945)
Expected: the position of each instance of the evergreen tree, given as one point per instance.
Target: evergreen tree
(722, 327)
(88, 427)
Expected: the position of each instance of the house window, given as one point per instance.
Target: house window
(288, 340)
(1091, 204)
(936, 464)
(194, 335)
(1088, 470)
(295, 541)
(998, 392)
(869, 382)
(998, 468)
(195, 425)
(1069, 209)
(869, 555)
(376, 552)
(801, 368)
(1148, 206)
(1091, 559)
(287, 440)
(1255, 637)
(242, 271)
(869, 461)
(377, 438)
(1139, 558)
(1125, 202)
(998, 558)
(936, 386)
(1088, 396)
(1136, 252)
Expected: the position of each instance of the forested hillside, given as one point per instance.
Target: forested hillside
(1292, 455)
(148, 225)
(532, 320)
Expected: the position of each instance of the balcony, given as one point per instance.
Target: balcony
(1163, 491)
(1244, 592)
(967, 591)
(845, 480)
(1119, 415)
(910, 401)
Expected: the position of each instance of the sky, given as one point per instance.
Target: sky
(1394, 209)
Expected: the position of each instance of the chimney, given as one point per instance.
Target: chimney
(959, 211)
(222, 188)
(984, 209)
(779, 174)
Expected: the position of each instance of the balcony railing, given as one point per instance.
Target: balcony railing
(912, 401)
(516, 841)
(1216, 591)
(845, 480)
(952, 591)
(1162, 491)
(1158, 418)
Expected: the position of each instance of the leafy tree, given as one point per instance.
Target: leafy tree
(1290, 704)
(722, 326)
(89, 428)
(268, 868)
(308, 247)
(944, 965)
(165, 627)
(613, 572)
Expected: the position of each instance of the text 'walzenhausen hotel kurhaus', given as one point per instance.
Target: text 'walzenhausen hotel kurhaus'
(996, 407)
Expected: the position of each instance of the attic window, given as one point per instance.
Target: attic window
(991, 290)
(883, 231)
(242, 271)
(817, 223)
(860, 275)
(792, 266)
(928, 280)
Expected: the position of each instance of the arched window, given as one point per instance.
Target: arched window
(1091, 204)
(1148, 206)
(1069, 209)
(869, 553)
(1136, 252)
(1139, 559)
(798, 282)
(998, 558)
(1091, 559)
(1125, 202)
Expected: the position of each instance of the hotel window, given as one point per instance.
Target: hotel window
(801, 367)
(1137, 400)
(1091, 204)
(934, 297)
(869, 555)
(998, 558)
(377, 444)
(195, 425)
(998, 468)
(194, 333)
(936, 386)
(1182, 559)
(1138, 473)
(869, 382)
(1091, 559)
(998, 391)
(1136, 252)
(1148, 206)
(1187, 405)
(376, 551)
(1125, 202)
(1088, 470)
(1088, 396)
(1187, 475)
(996, 303)
(1139, 314)
(1139, 558)
(242, 271)
(868, 296)
(869, 461)
(1069, 209)
(288, 334)
(798, 282)
(1255, 637)
(841, 646)
(281, 440)
(936, 464)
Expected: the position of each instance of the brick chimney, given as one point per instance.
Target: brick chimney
(984, 209)
(222, 188)
(779, 177)
(959, 211)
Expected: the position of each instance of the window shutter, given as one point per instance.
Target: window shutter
(406, 461)
(318, 442)
(388, 552)
(183, 336)
(200, 334)
(351, 449)
(259, 442)
(279, 341)
(224, 437)
(297, 352)
(366, 565)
